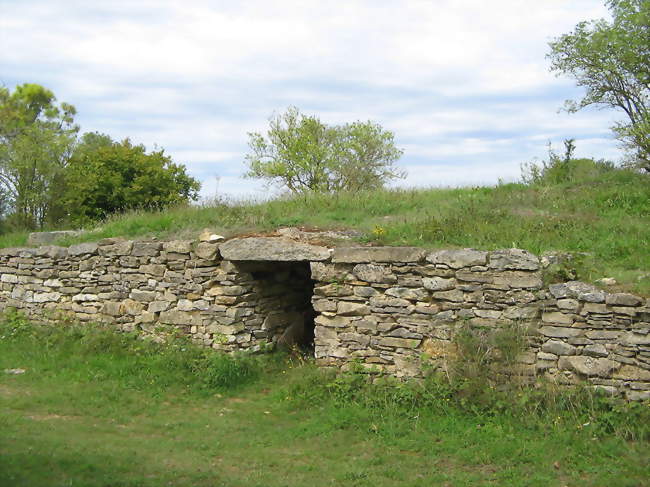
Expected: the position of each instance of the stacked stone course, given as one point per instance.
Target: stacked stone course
(395, 310)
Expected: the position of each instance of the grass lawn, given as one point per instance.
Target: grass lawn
(95, 408)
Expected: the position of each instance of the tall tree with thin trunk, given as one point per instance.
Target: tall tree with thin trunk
(611, 60)
(36, 139)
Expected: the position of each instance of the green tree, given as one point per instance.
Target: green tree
(105, 177)
(36, 138)
(302, 153)
(611, 60)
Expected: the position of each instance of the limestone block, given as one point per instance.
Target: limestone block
(521, 312)
(546, 356)
(146, 249)
(596, 350)
(117, 249)
(347, 308)
(10, 278)
(226, 329)
(374, 273)
(157, 270)
(610, 335)
(176, 317)
(470, 276)
(131, 307)
(46, 297)
(571, 305)
(624, 310)
(438, 283)
(585, 292)
(454, 295)
(558, 317)
(53, 252)
(594, 308)
(53, 283)
(365, 291)
(184, 305)
(559, 332)
(515, 259)
(557, 347)
(10, 251)
(396, 342)
(335, 289)
(408, 293)
(492, 314)
(206, 250)
(143, 296)
(332, 321)
(385, 302)
(321, 305)
(457, 259)
(588, 366)
(178, 246)
(630, 372)
(518, 279)
(85, 297)
(326, 272)
(359, 255)
(238, 313)
(83, 249)
(363, 340)
(623, 299)
(157, 306)
(632, 338)
(111, 308)
(401, 332)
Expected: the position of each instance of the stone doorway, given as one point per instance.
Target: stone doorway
(283, 291)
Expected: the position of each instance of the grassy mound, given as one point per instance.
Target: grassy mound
(595, 209)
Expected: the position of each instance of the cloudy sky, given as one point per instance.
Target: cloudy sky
(463, 84)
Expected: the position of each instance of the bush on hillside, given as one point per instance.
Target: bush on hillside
(564, 169)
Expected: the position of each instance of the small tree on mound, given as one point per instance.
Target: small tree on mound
(302, 154)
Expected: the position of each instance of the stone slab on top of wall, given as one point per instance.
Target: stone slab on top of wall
(272, 249)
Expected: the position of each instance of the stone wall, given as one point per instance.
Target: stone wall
(395, 310)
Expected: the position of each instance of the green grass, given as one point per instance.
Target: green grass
(602, 211)
(96, 408)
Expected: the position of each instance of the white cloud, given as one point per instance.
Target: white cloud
(452, 78)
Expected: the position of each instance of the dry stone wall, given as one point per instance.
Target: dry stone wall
(394, 310)
(398, 310)
(155, 287)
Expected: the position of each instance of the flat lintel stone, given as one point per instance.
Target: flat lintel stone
(273, 249)
(362, 255)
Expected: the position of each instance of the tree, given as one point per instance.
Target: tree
(612, 61)
(302, 154)
(105, 177)
(36, 138)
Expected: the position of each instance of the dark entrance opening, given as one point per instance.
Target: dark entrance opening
(284, 293)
